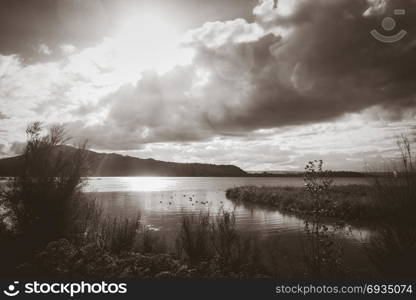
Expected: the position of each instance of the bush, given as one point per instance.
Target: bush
(41, 201)
(63, 259)
(322, 254)
(48, 187)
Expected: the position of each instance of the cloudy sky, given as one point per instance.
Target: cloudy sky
(263, 85)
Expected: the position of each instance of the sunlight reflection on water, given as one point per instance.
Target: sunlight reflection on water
(162, 201)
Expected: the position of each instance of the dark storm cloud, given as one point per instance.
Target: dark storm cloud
(154, 110)
(323, 66)
(328, 66)
(26, 25)
(37, 30)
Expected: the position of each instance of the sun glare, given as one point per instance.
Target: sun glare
(147, 28)
(148, 42)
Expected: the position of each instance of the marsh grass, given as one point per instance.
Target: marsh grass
(214, 245)
(349, 203)
(149, 242)
(392, 248)
(192, 241)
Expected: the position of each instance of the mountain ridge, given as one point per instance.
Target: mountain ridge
(117, 165)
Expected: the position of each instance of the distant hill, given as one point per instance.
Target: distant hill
(102, 164)
(301, 174)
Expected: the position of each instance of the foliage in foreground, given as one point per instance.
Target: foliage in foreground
(64, 259)
(392, 248)
(41, 203)
(48, 186)
(216, 244)
(225, 254)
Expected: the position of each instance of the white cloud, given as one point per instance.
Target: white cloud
(44, 49)
(68, 49)
(376, 7)
(217, 34)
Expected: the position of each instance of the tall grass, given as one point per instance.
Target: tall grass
(214, 246)
(392, 248)
(91, 226)
(193, 238)
(150, 243)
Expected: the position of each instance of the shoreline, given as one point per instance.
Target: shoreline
(346, 203)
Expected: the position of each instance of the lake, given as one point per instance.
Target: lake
(162, 201)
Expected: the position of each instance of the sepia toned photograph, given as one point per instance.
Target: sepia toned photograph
(221, 139)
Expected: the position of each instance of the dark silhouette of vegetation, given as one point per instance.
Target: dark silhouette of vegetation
(322, 253)
(42, 200)
(214, 246)
(226, 253)
(193, 239)
(149, 243)
(392, 247)
(48, 182)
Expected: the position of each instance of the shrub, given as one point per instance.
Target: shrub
(48, 186)
(322, 254)
(41, 201)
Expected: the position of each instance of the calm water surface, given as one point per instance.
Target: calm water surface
(162, 201)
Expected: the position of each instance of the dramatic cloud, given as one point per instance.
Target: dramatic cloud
(25, 25)
(315, 62)
(300, 77)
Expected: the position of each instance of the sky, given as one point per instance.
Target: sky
(260, 84)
